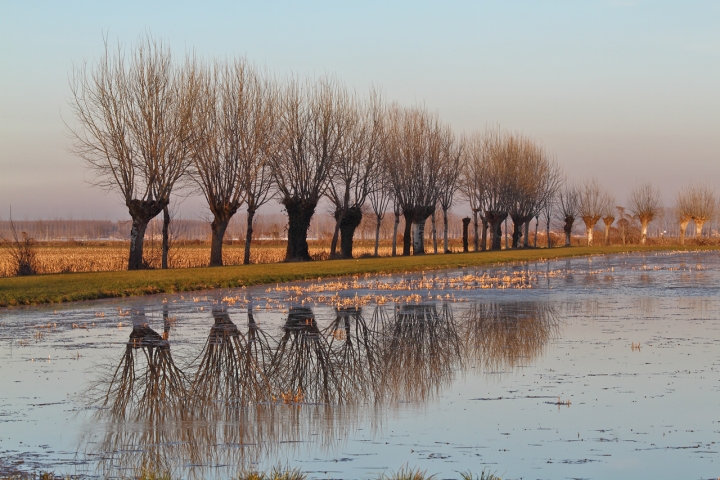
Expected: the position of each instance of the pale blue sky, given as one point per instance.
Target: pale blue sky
(626, 91)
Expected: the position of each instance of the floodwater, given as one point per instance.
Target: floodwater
(599, 367)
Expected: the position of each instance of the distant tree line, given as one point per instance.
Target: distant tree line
(148, 126)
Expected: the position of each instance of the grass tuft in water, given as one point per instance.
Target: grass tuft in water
(406, 473)
(484, 475)
(277, 473)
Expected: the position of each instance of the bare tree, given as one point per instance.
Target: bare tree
(314, 122)
(380, 197)
(591, 203)
(645, 203)
(134, 124)
(697, 203)
(357, 169)
(473, 182)
(236, 130)
(569, 202)
(607, 212)
(451, 168)
(412, 155)
(684, 202)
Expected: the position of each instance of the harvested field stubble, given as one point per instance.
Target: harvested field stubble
(111, 257)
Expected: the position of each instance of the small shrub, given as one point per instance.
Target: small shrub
(406, 473)
(277, 473)
(22, 252)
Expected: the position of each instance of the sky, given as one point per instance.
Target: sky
(626, 91)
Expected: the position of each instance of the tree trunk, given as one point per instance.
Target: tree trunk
(333, 243)
(466, 224)
(300, 214)
(218, 227)
(547, 231)
(475, 227)
(419, 237)
(407, 232)
(434, 234)
(248, 235)
(516, 231)
(698, 228)
(683, 228)
(377, 234)
(395, 230)
(446, 247)
(567, 228)
(348, 223)
(607, 234)
(485, 226)
(589, 232)
(165, 237)
(495, 219)
(537, 221)
(643, 232)
(506, 234)
(141, 212)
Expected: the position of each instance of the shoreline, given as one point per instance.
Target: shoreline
(71, 287)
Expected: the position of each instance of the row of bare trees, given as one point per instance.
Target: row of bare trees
(147, 125)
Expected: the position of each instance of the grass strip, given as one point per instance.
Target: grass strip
(68, 287)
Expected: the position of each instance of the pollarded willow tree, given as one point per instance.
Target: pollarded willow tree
(235, 129)
(569, 202)
(314, 120)
(608, 215)
(472, 182)
(134, 115)
(412, 157)
(645, 203)
(357, 169)
(697, 203)
(592, 203)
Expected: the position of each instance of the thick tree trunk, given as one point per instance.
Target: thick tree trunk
(567, 228)
(141, 212)
(485, 226)
(165, 237)
(434, 233)
(495, 219)
(418, 237)
(517, 230)
(248, 235)
(643, 232)
(466, 224)
(377, 234)
(537, 221)
(348, 223)
(589, 227)
(475, 228)
(698, 228)
(589, 233)
(217, 227)
(300, 214)
(446, 247)
(683, 228)
(607, 234)
(407, 233)
(395, 230)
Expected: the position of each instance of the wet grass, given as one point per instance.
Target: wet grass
(55, 288)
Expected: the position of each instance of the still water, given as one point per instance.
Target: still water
(598, 367)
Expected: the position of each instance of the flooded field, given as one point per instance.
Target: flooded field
(601, 367)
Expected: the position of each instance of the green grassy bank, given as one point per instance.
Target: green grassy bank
(68, 287)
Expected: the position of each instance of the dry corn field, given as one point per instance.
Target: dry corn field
(113, 257)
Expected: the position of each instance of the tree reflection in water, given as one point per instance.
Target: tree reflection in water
(505, 335)
(251, 391)
(421, 349)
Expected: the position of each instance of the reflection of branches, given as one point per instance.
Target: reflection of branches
(355, 353)
(301, 365)
(154, 384)
(499, 335)
(422, 347)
